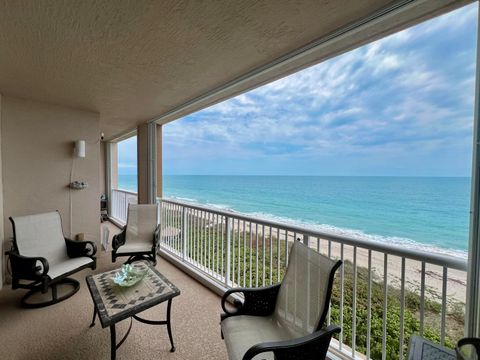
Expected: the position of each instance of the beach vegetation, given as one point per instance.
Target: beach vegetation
(257, 259)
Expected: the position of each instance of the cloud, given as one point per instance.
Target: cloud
(410, 92)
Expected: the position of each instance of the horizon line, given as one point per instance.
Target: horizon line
(316, 175)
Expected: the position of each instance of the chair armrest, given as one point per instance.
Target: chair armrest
(312, 346)
(27, 268)
(119, 239)
(257, 301)
(80, 248)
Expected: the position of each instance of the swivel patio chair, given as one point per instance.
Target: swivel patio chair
(42, 258)
(140, 238)
(286, 320)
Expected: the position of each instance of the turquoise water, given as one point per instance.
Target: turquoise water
(423, 212)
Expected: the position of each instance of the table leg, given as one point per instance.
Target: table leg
(161, 322)
(94, 316)
(113, 339)
(169, 328)
(113, 343)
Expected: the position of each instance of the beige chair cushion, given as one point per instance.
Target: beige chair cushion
(243, 331)
(301, 301)
(141, 224)
(135, 247)
(41, 235)
(61, 268)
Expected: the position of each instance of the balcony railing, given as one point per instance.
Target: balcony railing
(119, 204)
(382, 294)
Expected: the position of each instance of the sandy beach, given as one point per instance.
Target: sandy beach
(456, 283)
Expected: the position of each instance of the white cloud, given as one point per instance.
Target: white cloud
(388, 96)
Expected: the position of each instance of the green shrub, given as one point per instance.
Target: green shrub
(411, 315)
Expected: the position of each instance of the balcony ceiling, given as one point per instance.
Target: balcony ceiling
(133, 61)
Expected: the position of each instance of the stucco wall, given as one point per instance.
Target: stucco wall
(102, 165)
(2, 262)
(37, 153)
(142, 163)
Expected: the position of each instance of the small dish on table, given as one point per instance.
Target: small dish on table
(129, 275)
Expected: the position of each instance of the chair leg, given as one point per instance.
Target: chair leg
(149, 258)
(55, 299)
(54, 292)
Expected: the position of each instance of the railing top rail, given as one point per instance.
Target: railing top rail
(396, 250)
(125, 191)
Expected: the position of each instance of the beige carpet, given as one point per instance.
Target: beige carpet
(62, 331)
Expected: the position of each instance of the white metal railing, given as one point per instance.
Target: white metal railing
(371, 288)
(119, 204)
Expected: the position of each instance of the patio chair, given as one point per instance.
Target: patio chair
(44, 258)
(286, 320)
(140, 238)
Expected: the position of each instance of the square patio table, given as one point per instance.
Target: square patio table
(114, 303)
(420, 348)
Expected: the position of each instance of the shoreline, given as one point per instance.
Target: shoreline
(456, 279)
(334, 230)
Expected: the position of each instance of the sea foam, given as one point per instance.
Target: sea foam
(334, 230)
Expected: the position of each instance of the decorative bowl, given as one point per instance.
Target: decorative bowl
(129, 276)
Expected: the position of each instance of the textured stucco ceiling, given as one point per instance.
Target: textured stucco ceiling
(132, 61)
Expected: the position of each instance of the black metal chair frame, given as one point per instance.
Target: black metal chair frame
(35, 269)
(151, 256)
(261, 302)
(474, 342)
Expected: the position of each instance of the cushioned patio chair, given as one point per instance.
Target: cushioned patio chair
(140, 238)
(286, 320)
(42, 258)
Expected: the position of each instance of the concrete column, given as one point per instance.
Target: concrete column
(149, 157)
(111, 171)
(114, 165)
(472, 323)
(159, 161)
(142, 163)
(2, 235)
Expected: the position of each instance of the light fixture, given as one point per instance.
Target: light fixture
(80, 148)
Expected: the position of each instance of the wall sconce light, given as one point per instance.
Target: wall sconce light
(80, 148)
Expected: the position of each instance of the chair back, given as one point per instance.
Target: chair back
(40, 235)
(304, 296)
(141, 223)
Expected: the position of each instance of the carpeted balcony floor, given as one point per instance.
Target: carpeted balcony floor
(62, 331)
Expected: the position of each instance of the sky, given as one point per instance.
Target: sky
(400, 106)
(127, 156)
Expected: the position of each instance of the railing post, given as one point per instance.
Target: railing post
(125, 208)
(184, 232)
(113, 203)
(159, 222)
(305, 239)
(227, 253)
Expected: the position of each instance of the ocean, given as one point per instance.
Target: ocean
(431, 213)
